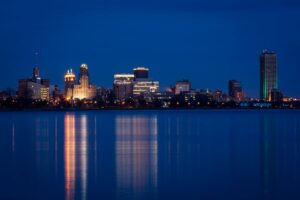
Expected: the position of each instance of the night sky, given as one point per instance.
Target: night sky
(208, 42)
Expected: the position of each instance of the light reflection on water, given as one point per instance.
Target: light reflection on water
(136, 154)
(150, 155)
(70, 158)
(76, 155)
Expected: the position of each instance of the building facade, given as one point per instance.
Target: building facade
(144, 87)
(136, 84)
(123, 86)
(69, 84)
(268, 74)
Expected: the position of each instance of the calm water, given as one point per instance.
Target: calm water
(205, 154)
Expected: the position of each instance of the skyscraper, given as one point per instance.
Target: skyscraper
(268, 74)
(69, 84)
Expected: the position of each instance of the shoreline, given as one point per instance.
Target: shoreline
(135, 109)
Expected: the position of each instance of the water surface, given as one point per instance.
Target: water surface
(197, 154)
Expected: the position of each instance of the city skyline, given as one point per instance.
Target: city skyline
(207, 42)
(72, 72)
(70, 75)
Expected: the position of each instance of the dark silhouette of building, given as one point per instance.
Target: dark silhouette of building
(268, 74)
(141, 73)
(276, 95)
(235, 90)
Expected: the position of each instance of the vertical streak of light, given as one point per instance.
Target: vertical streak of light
(69, 147)
(154, 150)
(83, 155)
(136, 154)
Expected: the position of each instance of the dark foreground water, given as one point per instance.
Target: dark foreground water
(204, 154)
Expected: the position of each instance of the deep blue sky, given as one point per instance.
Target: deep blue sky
(208, 42)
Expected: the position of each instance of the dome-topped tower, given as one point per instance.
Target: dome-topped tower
(69, 83)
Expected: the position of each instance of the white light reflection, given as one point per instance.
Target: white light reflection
(70, 159)
(76, 155)
(83, 152)
(136, 154)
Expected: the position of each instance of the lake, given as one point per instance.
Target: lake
(158, 154)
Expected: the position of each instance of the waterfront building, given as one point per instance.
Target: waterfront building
(123, 85)
(268, 74)
(182, 86)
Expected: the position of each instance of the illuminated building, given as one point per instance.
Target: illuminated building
(123, 85)
(142, 84)
(69, 84)
(81, 90)
(143, 87)
(182, 86)
(136, 84)
(141, 73)
(268, 74)
(35, 87)
(235, 90)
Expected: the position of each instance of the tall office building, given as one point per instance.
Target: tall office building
(81, 90)
(268, 74)
(123, 85)
(235, 89)
(183, 86)
(141, 73)
(69, 84)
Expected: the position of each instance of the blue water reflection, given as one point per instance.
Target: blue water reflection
(204, 154)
